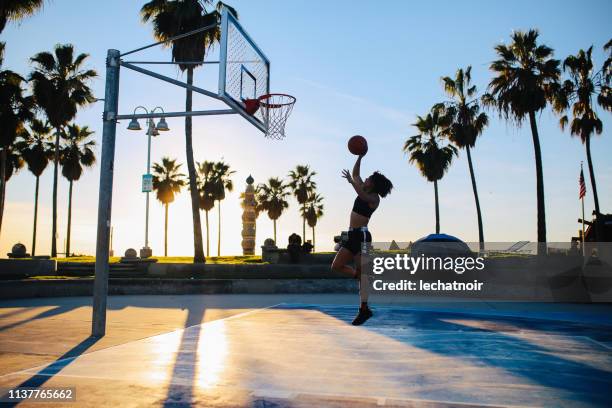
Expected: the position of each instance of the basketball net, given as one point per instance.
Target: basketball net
(275, 110)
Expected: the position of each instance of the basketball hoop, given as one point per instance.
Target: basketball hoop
(275, 110)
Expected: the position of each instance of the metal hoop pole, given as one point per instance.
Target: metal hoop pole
(107, 164)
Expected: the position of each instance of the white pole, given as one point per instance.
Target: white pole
(149, 134)
(583, 250)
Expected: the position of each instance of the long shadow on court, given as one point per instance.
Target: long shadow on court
(42, 315)
(184, 371)
(46, 373)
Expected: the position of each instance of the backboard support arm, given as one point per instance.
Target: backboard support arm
(176, 114)
(169, 80)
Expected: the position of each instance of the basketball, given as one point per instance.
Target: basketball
(251, 106)
(358, 145)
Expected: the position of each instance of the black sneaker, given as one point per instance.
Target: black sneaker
(362, 316)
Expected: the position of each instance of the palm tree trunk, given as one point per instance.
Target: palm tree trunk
(313, 239)
(3, 156)
(198, 247)
(304, 224)
(437, 207)
(166, 232)
(275, 243)
(539, 185)
(598, 226)
(35, 216)
(69, 220)
(478, 213)
(55, 176)
(3, 20)
(207, 236)
(219, 232)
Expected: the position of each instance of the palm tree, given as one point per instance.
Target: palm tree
(221, 182)
(302, 185)
(13, 162)
(272, 198)
(432, 159)
(171, 18)
(526, 80)
(313, 211)
(15, 10)
(466, 124)
(15, 110)
(60, 87)
(167, 181)
(607, 69)
(206, 191)
(37, 152)
(578, 91)
(76, 152)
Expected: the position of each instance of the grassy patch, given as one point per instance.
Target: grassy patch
(235, 260)
(86, 259)
(507, 255)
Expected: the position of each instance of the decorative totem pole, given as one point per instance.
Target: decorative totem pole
(249, 215)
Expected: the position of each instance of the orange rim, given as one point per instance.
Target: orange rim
(262, 100)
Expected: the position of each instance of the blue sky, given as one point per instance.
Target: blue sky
(355, 67)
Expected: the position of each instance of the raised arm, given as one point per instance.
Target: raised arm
(357, 183)
(357, 170)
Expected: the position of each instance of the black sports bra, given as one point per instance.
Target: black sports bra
(361, 207)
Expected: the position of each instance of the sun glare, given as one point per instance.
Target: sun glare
(212, 354)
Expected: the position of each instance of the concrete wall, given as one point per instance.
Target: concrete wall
(84, 287)
(23, 268)
(243, 271)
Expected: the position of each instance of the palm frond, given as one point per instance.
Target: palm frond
(525, 75)
(167, 180)
(426, 150)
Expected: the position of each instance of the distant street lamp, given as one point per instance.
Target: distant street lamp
(147, 179)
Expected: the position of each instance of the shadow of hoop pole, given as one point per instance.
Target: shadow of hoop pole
(49, 371)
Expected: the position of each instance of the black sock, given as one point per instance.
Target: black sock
(364, 305)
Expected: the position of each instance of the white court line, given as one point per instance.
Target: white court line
(599, 343)
(239, 315)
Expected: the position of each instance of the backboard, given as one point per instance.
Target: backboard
(244, 70)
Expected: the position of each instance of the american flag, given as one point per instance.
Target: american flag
(582, 186)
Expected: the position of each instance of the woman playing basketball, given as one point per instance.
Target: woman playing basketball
(369, 193)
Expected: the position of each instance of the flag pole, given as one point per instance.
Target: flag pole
(582, 199)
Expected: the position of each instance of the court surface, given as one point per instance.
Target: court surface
(304, 355)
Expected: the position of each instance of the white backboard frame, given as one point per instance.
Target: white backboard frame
(227, 20)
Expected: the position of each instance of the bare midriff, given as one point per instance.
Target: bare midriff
(358, 220)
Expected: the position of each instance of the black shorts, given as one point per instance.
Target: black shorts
(355, 238)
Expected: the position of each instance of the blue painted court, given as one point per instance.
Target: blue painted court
(294, 355)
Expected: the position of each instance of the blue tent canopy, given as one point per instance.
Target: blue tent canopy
(439, 238)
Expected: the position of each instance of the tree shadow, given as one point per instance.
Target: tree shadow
(184, 371)
(42, 315)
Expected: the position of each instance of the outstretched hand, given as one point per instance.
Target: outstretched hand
(347, 175)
